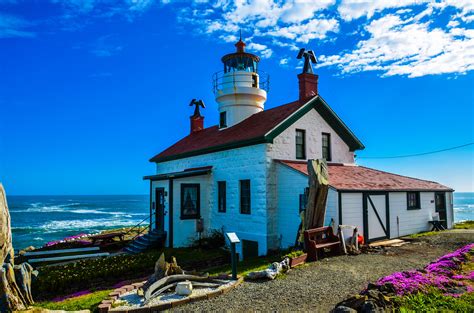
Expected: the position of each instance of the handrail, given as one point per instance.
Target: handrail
(137, 226)
(218, 77)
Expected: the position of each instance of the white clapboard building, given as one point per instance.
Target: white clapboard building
(248, 174)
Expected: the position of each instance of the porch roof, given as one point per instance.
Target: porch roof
(359, 178)
(197, 171)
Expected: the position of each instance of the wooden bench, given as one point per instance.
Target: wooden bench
(318, 239)
(107, 239)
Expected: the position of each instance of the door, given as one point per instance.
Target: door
(440, 207)
(159, 210)
(376, 216)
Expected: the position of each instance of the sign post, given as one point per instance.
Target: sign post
(233, 241)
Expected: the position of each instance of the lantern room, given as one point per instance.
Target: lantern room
(240, 89)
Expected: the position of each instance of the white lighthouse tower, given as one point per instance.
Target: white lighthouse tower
(240, 89)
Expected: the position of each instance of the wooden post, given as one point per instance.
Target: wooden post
(318, 191)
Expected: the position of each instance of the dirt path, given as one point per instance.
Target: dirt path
(318, 286)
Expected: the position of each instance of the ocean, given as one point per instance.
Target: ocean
(37, 220)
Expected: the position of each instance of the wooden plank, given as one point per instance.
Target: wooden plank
(63, 251)
(69, 257)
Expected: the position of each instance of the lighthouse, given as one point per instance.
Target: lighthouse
(240, 89)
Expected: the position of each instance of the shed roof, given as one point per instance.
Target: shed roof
(359, 178)
(261, 127)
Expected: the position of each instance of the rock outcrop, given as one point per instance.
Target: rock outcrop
(15, 281)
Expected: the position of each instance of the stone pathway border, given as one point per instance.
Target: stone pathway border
(106, 305)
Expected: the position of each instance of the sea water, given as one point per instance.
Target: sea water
(37, 220)
(463, 206)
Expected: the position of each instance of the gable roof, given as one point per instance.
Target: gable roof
(359, 178)
(261, 127)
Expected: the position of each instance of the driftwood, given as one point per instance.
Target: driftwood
(162, 269)
(171, 279)
(15, 281)
(272, 271)
(173, 285)
(313, 215)
(318, 192)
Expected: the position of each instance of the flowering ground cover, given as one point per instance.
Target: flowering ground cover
(445, 284)
(445, 274)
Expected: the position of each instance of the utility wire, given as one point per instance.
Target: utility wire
(416, 154)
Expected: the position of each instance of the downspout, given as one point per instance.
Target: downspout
(170, 217)
(151, 211)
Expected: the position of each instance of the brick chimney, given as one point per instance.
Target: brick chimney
(308, 86)
(197, 123)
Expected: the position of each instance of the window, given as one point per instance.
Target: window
(304, 199)
(245, 196)
(326, 141)
(413, 201)
(300, 144)
(223, 120)
(190, 201)
(221, 196)
(254, 81)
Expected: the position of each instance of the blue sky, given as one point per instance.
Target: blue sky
(90, 90)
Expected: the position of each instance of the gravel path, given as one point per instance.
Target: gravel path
(318, 286)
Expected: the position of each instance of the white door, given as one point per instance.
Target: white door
(376, 216)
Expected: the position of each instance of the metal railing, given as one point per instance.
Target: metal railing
(137, 228)
(219, 79)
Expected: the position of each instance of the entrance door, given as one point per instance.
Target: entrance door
(160, 209)
(376, 216)
(440, 207)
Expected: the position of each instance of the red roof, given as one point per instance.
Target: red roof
(253, 127)
(353, 177)
(261, 127)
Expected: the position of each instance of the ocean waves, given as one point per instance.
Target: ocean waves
(37, 220)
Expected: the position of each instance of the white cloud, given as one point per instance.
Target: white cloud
(314, 29)
(408, 47)
(13, 26)
(284, 61)
(354, 9)
(264, 51)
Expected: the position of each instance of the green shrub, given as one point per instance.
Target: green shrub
(464, 225)
(103, 273)
(294, 254)
(214, 240)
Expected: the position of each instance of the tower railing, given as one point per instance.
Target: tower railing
(237, 79)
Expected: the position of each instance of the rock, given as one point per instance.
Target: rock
(368, 307)
(184, 288)
(15, 281)
(343, 309)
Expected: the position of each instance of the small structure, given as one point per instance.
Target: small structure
(248, 174)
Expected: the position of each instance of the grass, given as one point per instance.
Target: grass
(86, 302)
(435, 301)
(464, 225)
(424, 234)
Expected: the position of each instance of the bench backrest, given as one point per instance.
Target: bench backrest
(320, 234)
